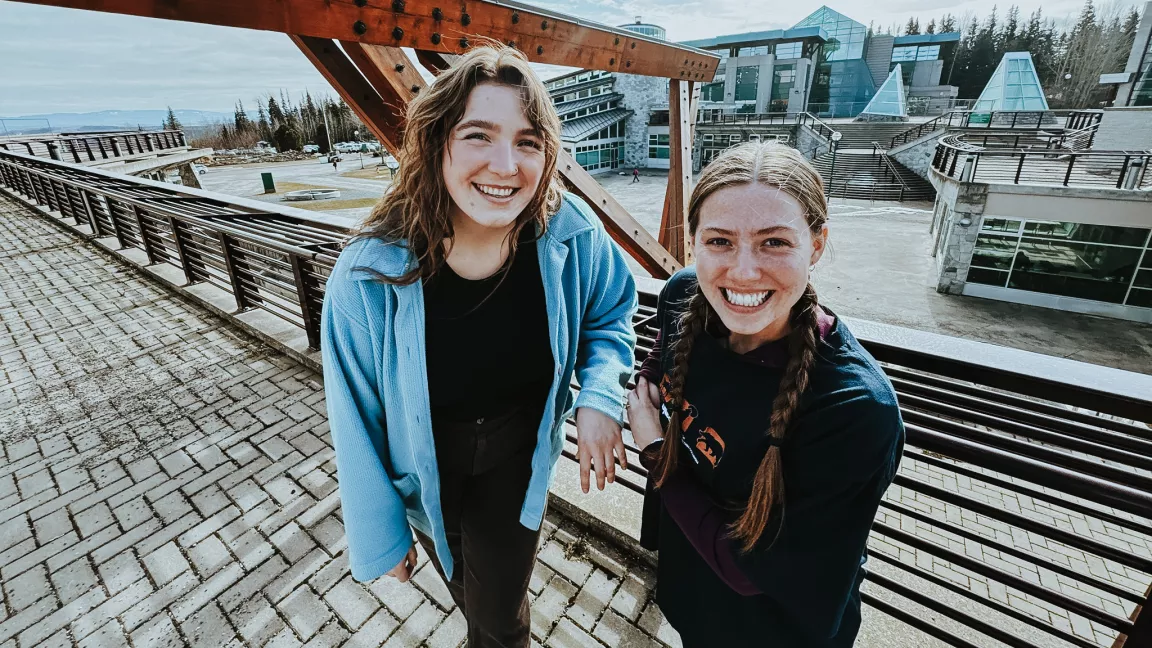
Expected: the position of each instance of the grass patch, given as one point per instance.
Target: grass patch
(285, 187)
(331, 205)
(368, 173)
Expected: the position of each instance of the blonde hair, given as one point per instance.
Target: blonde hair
(782, 167)
(417, 208)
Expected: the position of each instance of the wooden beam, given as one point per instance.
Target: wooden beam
(674, 221)
(1141, 635)
(384, 121)
(434, 62)
(388, 69)
(623, 228)
(544, 36)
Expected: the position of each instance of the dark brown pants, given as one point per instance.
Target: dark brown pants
(484, 471)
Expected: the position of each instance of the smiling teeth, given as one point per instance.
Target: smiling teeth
(746, 299)
(498, 192)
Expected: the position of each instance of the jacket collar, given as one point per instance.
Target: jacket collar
(393, 258)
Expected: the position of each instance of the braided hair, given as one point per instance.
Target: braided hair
(784, 168)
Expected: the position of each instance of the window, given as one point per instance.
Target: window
(902, 54)
(928, 53)
(658, 147)
(747, 80)
(1095, 262)
(757, 50)
(712, 92)
(789, 50)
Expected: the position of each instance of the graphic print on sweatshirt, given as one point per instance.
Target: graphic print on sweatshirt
(703, 442)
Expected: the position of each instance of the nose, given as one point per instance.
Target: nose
(503, 159)
(744, 266)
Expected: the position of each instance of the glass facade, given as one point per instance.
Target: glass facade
(658, 146)
(757, 50)
(890, 98)
(845, 36)
(789, 50)
(915, 53)
(784, 78)
(842, 84)
(1097, 262)
(712, 91)
(600, 156)
(654, 31)
(1142, 90)
(747, 81)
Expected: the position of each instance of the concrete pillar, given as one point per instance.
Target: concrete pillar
(798, 96)
(764, 86)
(188, 176)
(959, 233)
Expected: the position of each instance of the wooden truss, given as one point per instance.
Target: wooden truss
(356, 45)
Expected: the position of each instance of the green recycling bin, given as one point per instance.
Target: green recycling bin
(269, 186)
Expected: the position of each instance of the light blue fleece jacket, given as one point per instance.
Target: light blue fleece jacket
(376, 387)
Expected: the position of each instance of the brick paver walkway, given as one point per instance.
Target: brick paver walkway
(166, 481)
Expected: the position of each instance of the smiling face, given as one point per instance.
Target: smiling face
(753, 248)
(494, 160)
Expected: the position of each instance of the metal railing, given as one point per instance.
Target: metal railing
(1068, 440)
(91, 147)
(749, 118)
(275, 262)
(889, 168)
(957, 158)
(1002, 120)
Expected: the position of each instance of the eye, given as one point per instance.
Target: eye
(718, 241)
(531, 143)
(476, 135)
(777, 242)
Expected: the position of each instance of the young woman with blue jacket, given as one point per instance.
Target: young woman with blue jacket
(453, 325)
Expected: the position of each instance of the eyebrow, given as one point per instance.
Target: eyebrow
(760, 232)
(487, 125)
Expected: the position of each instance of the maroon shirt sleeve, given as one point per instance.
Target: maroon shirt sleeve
(701, 521)
(650, 368)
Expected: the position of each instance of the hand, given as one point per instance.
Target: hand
(597, 438)
(644, 413)
(403, 571)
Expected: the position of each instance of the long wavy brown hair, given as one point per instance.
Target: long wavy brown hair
(782, 167)
(416, 210)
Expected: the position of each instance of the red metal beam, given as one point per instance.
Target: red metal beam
(452, 28)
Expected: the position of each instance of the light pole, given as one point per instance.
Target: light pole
(836, 135)
(356, 134)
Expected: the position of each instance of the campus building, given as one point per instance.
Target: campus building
(1135, 82)
(611, 120)
(827, 65)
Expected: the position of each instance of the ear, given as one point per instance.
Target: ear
(819, 242)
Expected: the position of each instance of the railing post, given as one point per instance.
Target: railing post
(116, 229)
(88, 149)
(1068, 174)
(174, 225)
(115, 146)
(53, 151)
(233, 271)
(1123, 172)
(86, 198)
(1019, 168)
(144, 236)
(311, 321)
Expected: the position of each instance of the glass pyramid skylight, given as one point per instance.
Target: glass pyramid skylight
(1013, 86)
(890, 99)
(845, 36)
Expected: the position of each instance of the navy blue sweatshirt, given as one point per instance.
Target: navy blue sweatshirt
(800, 586)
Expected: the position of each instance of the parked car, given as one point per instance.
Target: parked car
(311, 148)
(200, 169)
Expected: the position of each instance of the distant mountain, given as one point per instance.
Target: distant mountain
(108, 119)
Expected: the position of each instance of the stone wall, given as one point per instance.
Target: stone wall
(642, 94)
(804, 139)
(918, 154)
(956, 204)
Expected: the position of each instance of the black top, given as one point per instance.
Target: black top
(840, 455)
(486, 341)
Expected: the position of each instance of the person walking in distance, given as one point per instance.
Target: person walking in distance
(769, 433)
(635, 174)
(452, 327)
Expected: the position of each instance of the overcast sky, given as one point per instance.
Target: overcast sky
(66, 60)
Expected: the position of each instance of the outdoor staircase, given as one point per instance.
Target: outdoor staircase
(860, 135)
(865, 176)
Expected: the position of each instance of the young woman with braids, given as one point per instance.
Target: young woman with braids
(769, 434)
(452, 327)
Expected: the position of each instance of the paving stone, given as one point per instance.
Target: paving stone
(401, 599)
(631, 597)
(120, 572)
(417, 627)
(207, 628)
(110, 635)
(615, 630)
(594, 596)
(305, 612)
(573, 568)
(74, 580)
(430, 582)
(166, 563)
(257, 621)
(550, 605)
(653, 622)
(293, 542)
(375, 631)
(27, 588)
(159, 632)
(568, 635)
(351, 602)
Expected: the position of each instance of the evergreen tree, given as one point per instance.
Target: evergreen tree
(275, 114)
(1009, 37)
(931, 28)
(263, 128)
(947, 24)
(913, 27)
(170, 122)
(240, 120)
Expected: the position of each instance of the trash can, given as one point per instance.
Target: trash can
(269, 186)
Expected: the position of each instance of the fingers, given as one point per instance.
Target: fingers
(585, 466)
(653, 395)
(601, 468)
(620, 452)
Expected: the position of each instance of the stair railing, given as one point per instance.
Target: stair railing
(889, 168)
